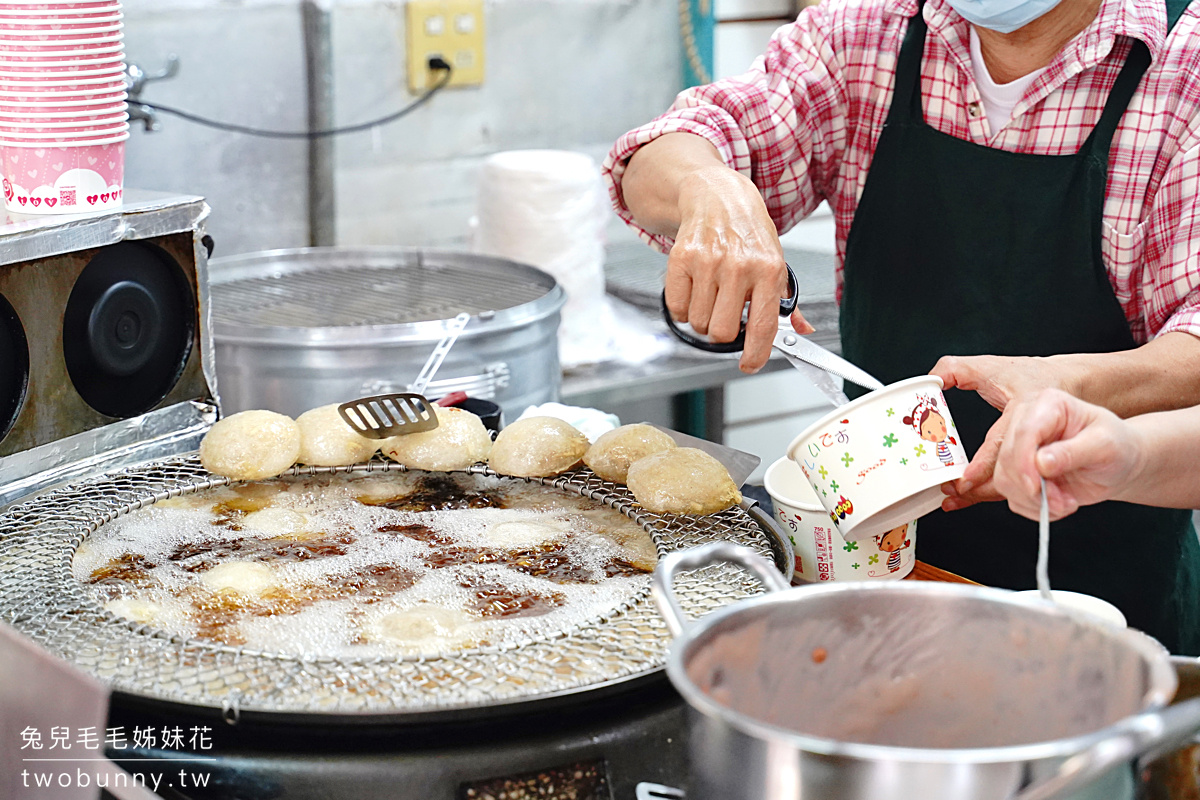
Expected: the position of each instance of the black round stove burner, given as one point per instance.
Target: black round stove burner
(127, 330)
(14, 366)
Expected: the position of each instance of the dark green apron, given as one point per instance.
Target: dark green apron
(962, 249)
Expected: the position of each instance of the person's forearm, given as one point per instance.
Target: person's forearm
(1169, 452)
(663, 172)
(1161, 375)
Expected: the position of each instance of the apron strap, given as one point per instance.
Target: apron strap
(1126, 85)
(906, 97)
(1175, 9)
(1100, 139)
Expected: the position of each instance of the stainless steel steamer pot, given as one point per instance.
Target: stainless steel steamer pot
(296, 329)
(736, 755)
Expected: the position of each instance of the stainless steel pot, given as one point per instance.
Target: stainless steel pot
(296, 329)
(896, 691)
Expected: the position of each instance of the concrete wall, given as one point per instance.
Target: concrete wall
(569, 74)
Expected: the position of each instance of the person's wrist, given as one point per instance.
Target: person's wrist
(1136, 444)
(1073, 376)
(699, 183)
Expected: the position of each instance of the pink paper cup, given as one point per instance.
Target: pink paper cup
(70, 127)
(55, 5)
(53, 95)
(17, 106)
(68, 74)
(51, 35)
(8, 45)
(63, 180)
(104, 16)
(63, 136)
(109, 50)
(82, 60)
(12, 12)
(112, 78)
(78, 117)
(52, 6)
(25, 24)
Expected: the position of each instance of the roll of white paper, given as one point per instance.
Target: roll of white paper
(548, 208)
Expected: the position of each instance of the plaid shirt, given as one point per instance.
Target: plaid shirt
(804, 121)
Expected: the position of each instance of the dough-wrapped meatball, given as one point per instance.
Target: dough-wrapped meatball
(613, 453)
(327, 441)
(458, 441)
(682, 481)
(536, 447)
(251, 445)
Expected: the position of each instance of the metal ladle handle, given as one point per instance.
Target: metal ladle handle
(706, 555)
(786, 306)
(439, 353)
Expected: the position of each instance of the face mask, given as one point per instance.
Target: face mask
(1002, 16)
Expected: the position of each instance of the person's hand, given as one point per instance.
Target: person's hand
(727, 253)
(1006, 382)
(1085, 452)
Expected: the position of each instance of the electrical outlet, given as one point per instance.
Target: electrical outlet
(452, 29)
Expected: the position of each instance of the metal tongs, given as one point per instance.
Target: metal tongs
(383, 416)
(800, 352)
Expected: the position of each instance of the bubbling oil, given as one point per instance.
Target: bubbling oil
(368, 565)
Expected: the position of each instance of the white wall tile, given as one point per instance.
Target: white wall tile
(237, 64)
(560, 74)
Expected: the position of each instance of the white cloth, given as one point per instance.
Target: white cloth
(999, 99)
(591, 422)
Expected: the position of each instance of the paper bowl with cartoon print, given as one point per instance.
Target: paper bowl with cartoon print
(879, 461)
(820, 552)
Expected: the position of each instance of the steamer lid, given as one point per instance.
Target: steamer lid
(352, 293)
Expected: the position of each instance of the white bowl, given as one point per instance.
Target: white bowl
(1083, 603)
(821, 553)
(870, 468)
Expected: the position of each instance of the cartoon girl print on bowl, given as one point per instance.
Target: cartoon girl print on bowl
(892, 543)
(930, 425)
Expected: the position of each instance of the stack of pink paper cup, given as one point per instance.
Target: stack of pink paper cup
(63, 120)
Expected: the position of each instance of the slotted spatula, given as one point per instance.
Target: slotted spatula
(386, 415)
